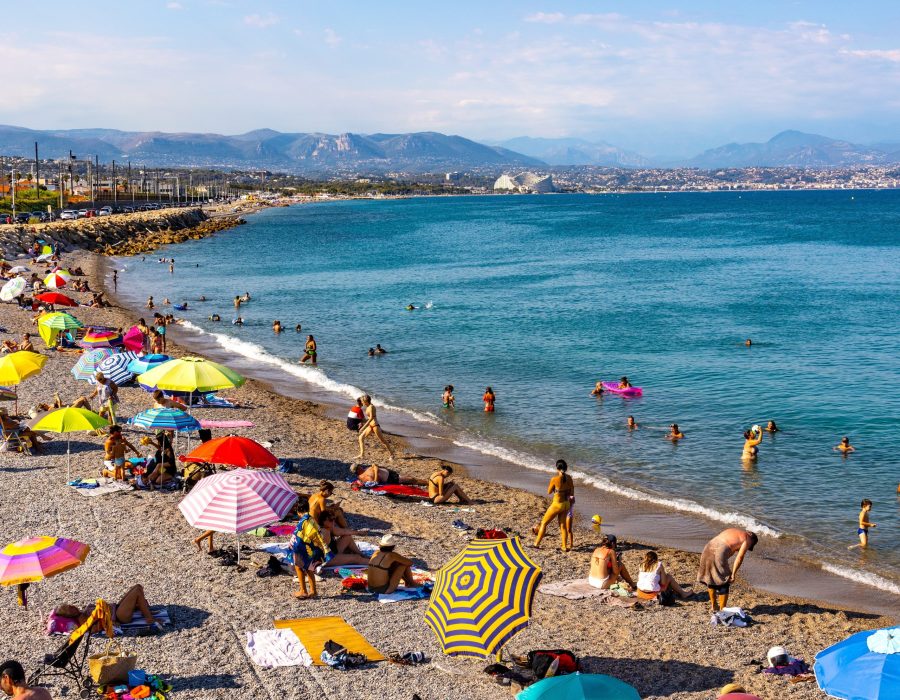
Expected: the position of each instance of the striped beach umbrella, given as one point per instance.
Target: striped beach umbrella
(115, 368)
(165, 419)
(57, 280)
(482, 597)
(86, 367)
(146, 363)
(37, 558)
(238, 501)
(12, 289)
(234, 451)
(101, 338)
(49, 325)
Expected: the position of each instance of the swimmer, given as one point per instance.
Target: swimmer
(675, 433)
(246, 297)
(752, 438)
(844, 446)
(864, 524)
(149, 302)
(310, 351)
(237, 303)
(598, 389)
(748, 342)
(631, 425)
(371, 352)
(380, 350)
(447, 398)
(184, 305)
(298, 328)
(489, 399)
(166, 301)
(202, 298)
(238, 321)
(624, 383)
(276, 326)
(772, 428)
(215, 317)
(410, 307)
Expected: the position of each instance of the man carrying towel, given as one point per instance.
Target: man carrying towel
(716, 571)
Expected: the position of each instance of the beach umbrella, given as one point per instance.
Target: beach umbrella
(115, 367)
(482, 597)
(865, 666)
(7, 394)
(12, 288)
(238, 501)
(56, 299)
(134, 339)
(101, 338)
(145, 363)
(70, 420)
(51, 324)
(234, 451)
(165, 419)
(190, 374)
(37, 558)
(18, 366)
(579, 686)
(57, 280)
(86, 367)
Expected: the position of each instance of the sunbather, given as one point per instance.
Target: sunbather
(440, 490)
(318, 503)
(387, 569)
(607, 567)
(123, 611)
(160, 401)
(339, 541)
(164, 467)
(653, 578)
(11, 426)
(381, 475)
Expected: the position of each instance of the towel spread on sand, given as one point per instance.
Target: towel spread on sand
(714, 568)
(314, 632)
(104, 488)
(225, 423)
(273, 648)
(579, 588)
(403, 593)
(282, 552)
(62, 625)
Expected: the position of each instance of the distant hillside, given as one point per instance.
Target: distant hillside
(572, 151)
(265, 148)
(794, 148)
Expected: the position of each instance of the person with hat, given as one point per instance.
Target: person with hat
(387, 568)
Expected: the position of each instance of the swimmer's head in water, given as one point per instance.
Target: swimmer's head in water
(845, 440)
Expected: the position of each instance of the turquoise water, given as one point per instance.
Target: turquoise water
(539, 297)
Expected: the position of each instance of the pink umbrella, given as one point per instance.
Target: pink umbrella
(238, 501)
(134, 339)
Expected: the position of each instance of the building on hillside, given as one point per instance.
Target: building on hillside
(524, 182)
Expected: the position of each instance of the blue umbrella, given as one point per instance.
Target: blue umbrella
(579, 686)
(115, 367)
(865, 666)
(86, 367)
(165, 419)
(146, 363)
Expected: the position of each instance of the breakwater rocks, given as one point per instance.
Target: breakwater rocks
(120, 234)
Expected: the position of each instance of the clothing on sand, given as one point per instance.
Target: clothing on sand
(273, 648)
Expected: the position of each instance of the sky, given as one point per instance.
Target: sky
(661, 78)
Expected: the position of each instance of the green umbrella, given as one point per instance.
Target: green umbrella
(579, 686)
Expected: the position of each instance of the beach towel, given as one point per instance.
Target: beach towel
(57, 624)
(225, 423)
(403, 593)
(714, 569)
(282, 530)
(398, 491)
(579, 588)
(730, 617)
(274, 648)
(313, 632)
(100, 487)
(420, 576)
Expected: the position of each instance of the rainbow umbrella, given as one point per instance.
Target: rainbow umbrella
(57, 279)
(12, 289)
(56, 299)
(86, 367)
(579, 686)
(37, 558)
(49, 325)
(70, 420)
(238, 501)
(101, 338)
(482, 597)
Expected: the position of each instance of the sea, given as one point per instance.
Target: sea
(540, 297)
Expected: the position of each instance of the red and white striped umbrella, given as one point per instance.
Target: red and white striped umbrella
(237, 501)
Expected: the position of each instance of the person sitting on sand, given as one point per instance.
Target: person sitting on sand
(26, 345)
(562, 489)
(674, 433)
(382, 475)
(716, 573)
(122, 612)
(607, 568)
(440, 490)
(864, 524)
(13, 683)
(654, 579)
(752, 439)
(630, 424)
(318, 503)
(371, 427)
(598, 389)
(11, 426)
(114, 453)
(164, 465)
(309, 550)
(772, 428)
(489, 398)
(340, 541)
(624, 383)
(387, 568)
(844, 446)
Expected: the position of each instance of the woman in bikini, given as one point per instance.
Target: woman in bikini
(122, 612)
(440, 490)
(381, 475)
(489, 399)
(562, 488)
(751, 444)
(387, 568)
(371, 427)
(310, 351)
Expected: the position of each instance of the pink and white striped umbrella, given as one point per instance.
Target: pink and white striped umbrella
(237, 501)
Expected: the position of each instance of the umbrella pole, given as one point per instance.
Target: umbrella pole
(68, 459)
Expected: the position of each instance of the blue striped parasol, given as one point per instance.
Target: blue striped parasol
(115, 368)
(165, 419)
(86, 367)
(146, 363)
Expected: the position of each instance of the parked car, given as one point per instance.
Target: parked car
(22, 217)
(68, 214)
(104, 211)
(39, 215)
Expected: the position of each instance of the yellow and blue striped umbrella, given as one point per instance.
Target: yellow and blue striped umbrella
(482, 597)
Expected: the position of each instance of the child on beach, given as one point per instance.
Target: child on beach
(309, 549)
(864, 524)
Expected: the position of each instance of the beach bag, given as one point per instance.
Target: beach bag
(540, 661)
(112, 665)
(667, 597)
(490, 535)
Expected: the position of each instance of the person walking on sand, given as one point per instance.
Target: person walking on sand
(489, 399)
(310, 351)
(371, 427)
(864, 524)
(716, 572)
(562, 489)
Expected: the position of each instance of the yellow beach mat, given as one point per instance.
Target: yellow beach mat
(313, 632)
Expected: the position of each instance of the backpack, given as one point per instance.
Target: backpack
(490, 534)
(540, 660)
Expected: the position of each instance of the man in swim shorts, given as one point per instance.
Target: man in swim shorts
(114, 448)
(374, 473)
(716, 571)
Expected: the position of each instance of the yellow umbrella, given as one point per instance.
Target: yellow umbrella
(18, 366)
(70, 420)
(190, 374)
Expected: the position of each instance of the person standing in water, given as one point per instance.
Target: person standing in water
(237, 304)
(631, 425)
(844, 446)
(752, 438)
(310, 351)
(598, 389)
(864, 524)
(488, 399)
(675, 433)
(447, 398)
(371, 427)
(562, 488)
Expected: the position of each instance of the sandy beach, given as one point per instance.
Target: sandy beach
(141, 537)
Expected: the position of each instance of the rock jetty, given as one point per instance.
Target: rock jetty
(120, 234)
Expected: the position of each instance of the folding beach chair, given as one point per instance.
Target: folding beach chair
(71, 659)
(14, 442)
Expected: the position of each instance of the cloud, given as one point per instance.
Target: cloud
(174, 6)
(892, 55)
(546, 18)
(332, 38)
(261, 21)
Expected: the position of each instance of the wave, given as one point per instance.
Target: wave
(864, 577)
(599, 482)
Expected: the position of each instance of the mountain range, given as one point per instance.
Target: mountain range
(419, 152)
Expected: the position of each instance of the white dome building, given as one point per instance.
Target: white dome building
(524, 182)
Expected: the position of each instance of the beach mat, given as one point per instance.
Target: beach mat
(160, 614)
(313, 632)
(579, 588)
(105, 488)
(225, 423)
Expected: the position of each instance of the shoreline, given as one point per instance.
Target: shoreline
(628, 516)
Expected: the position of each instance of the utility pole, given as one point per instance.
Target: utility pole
(12, 189)
(130, 188)
(191, 186)
(177, 189)
(71, 176)
(114, 188)
(60, 186)
(157, 184)
(37, 175)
